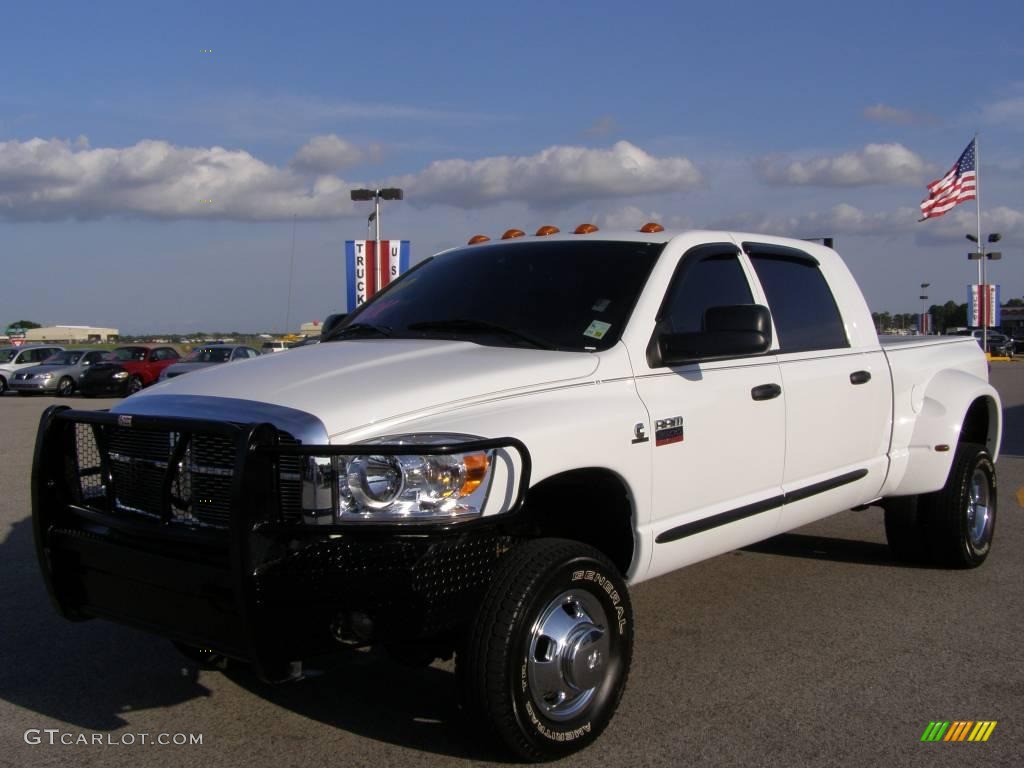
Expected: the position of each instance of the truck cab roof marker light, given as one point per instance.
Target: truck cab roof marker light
(512, 233)
(478, 239)
(652, 226)
(585, 229)
(546, 230)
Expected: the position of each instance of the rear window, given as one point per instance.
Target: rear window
(805, 312)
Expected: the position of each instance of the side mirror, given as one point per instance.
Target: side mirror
(332, 322)
(729, 331)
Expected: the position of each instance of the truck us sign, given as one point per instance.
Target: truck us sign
(364, 273)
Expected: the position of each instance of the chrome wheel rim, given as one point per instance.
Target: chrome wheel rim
(569, 654)
(978, 507)
(64, 388)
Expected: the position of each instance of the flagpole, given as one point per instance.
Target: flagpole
(982, 286)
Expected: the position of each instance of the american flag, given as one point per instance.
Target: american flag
(952, 189)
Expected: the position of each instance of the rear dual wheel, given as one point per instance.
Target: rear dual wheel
(952, 527)
(549, 652)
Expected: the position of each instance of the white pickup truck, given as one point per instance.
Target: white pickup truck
(486, 456)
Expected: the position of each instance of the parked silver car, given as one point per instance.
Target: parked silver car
(207, 355)
(14, 359)
(59, 375)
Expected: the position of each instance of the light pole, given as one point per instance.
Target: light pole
(387, 193)
(924, 307)
(981, 257)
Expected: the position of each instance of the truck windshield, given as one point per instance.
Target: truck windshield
(573, 296)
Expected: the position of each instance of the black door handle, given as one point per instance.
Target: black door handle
(766, 392)
(860, 377)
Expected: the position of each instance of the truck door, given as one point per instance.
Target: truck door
(838, 398)
(718, 426)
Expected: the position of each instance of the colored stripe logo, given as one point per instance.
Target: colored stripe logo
(959, 730)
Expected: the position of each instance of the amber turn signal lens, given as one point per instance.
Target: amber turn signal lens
(476, 470)
(652, 226)
(585, 229)
(547, 229)
(510, 233)
(478, 239)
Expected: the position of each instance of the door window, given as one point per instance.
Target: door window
(705, 280)
(803, 308)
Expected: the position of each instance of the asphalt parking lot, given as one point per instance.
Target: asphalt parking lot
(813, 648)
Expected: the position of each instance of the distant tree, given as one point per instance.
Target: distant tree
(20, 326)
(1014, 303)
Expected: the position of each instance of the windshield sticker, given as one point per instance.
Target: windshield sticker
(601, 305)
(597, 329)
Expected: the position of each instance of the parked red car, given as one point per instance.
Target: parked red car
(127, 369)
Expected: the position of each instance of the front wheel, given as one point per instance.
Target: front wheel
(3, 385)
(549, 652)
(134, 385)
(66, 386)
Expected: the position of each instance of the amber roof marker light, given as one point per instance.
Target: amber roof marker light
(547, 229)
(511, 233)
(478, 239)
(585, 229)
(652, 226)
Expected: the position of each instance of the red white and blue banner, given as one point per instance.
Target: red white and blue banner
(982, 301)
(364, 274)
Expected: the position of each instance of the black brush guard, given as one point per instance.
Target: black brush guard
(263, 588)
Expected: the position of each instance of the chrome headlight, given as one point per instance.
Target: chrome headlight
(121, 375)
(403, 487)
(42, 376)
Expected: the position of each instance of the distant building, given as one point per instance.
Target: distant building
(1013, 318)
(310, 329)
(71, 333)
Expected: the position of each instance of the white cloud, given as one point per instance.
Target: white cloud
(53, 179)
(559, 176)
(883, 113)
(330, 154)
(875, 164)
(628, 217)
(1005, 112)
(842, 219)
(952, 227)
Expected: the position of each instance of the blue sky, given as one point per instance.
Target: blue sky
(794, 118)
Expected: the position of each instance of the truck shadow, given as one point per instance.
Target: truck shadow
(371, 695)
(88, 674)
(827, 548)
(1013, 431)
(94, 675)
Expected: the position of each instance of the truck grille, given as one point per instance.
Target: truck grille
(200, 486)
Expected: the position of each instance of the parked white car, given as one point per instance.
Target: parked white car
(486, 456)
(14, 359)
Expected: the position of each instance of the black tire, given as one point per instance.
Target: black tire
(510, 668)
(204, 658)
(134, 385)
(66, 387)
(905, 530)
(962, 516)
(3, 385)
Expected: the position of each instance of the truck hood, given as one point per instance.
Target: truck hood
(349, 385)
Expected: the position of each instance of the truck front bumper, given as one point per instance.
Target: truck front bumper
(242, 576)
